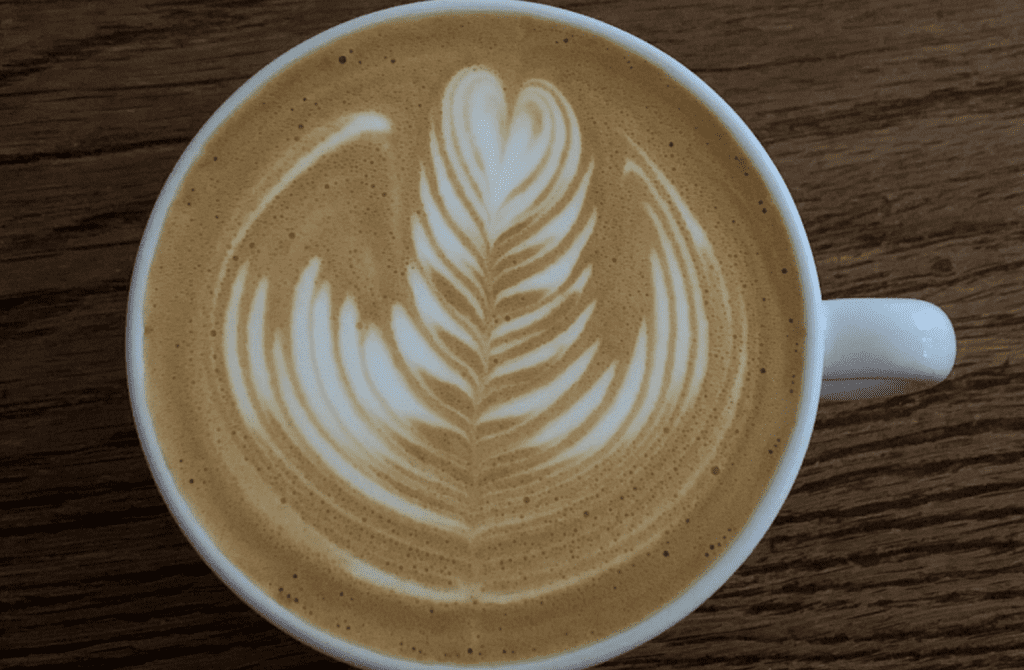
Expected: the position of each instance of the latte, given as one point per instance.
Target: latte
(473, 338)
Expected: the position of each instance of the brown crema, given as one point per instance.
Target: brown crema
(473, 339)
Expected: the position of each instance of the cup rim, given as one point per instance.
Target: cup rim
(700, 590)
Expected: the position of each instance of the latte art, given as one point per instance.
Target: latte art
(472, 338)
(450, 413)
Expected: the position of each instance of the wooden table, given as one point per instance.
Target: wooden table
(897, 124)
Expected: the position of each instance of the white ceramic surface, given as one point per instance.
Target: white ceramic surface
(862, 348)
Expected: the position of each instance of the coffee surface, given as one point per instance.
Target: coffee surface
(473, 338)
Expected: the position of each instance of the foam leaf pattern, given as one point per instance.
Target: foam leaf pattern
(494, 361)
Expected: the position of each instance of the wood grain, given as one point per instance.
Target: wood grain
(897, 125)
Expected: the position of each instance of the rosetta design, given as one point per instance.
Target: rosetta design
(490, 379)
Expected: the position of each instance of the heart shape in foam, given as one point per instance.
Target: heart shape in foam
(504, 163)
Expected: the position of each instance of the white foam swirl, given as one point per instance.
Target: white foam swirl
(503, 232)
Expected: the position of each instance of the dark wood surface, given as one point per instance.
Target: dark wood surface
(897, 124)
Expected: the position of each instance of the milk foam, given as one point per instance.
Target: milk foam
(471, 332)
(503, 199)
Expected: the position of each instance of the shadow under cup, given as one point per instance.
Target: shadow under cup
(202, 199)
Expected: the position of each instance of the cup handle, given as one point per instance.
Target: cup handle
(883, 347)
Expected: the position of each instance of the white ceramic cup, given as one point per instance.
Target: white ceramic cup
(857, 348)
